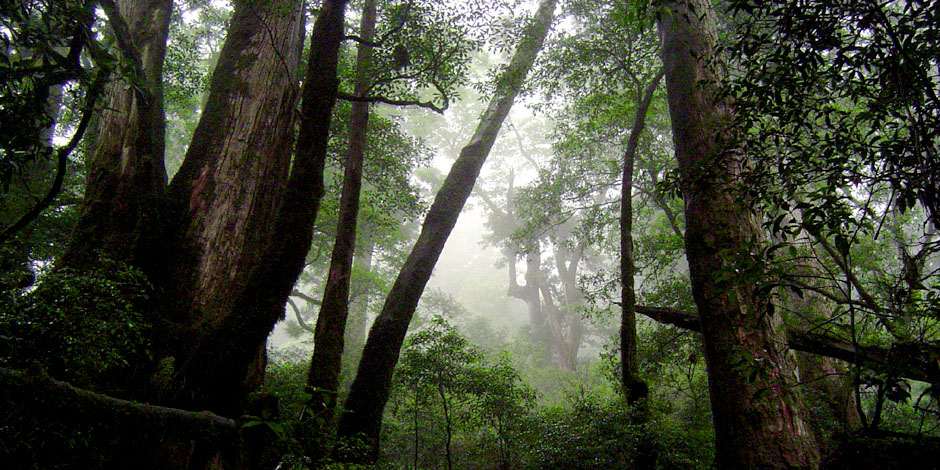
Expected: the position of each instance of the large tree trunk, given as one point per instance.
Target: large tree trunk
(369, 392)
(240, 225)
(244, 138)
(218, 363)
(126, 179)
(756, 411)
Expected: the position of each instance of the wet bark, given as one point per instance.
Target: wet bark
(369, 392)
(126, 179)
(240, 225)
(756, 411)
(230, 182)
(219, 362)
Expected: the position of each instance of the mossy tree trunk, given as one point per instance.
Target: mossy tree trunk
(236, 222)
(757, 412)
(126, 177)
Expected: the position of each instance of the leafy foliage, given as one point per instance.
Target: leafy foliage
(447, 394)
(840, 94)
(596, 433)
(37, 54)
(89, 328)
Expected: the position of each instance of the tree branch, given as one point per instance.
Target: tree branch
(381, 99)
(54, 396)
(62, 157)
(917, 361)
(300, 320)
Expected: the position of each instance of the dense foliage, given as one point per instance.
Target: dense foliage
(829, 111)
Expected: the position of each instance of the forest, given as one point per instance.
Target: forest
(462, 235)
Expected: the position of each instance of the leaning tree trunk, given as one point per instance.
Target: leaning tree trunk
(369, 392)
(126, 179)
(756, 411)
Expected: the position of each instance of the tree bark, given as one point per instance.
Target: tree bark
(369, 392)
(634, 387)
(756, 411)
(241, 226)
(229, 184)
(127, 178)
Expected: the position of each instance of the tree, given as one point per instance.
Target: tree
(842, 141)
(550, 289)
(369, 392)
(442, 376)
(758, 416)
(437, 67)
(325, 364)
(207, 241)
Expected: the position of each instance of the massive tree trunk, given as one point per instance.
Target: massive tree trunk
(238, 216)
(370, 389)
(758, 415)
(127, 179)
(244, 138)
(224, 281)
(219, 362)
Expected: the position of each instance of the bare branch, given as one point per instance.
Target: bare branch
(62, 157)
(381, 99)
(300, 319)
